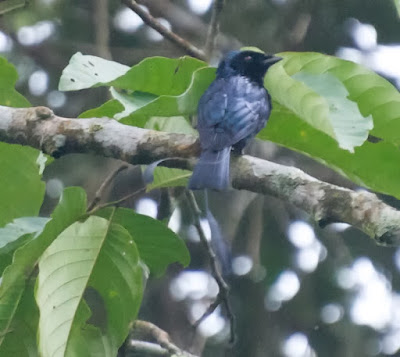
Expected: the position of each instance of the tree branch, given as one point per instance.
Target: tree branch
(214, 26)
(11, 5)
(100, 192)
(168, 34)
(142, 348)
(40, 128)
(146, 331)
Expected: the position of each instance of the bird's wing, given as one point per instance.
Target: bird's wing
(230, 111)
(246, 117)
(211, 113)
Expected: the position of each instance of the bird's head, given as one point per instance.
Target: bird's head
(250, 64)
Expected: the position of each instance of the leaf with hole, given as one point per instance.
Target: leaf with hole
(85, 71)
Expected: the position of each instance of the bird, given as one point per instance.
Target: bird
(233, 109)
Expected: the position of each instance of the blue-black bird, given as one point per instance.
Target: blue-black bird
(233, 109)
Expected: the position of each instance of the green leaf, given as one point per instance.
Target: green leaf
(15, 235)
(163, 87)
(121, 106)
(290, 123)
(168, 106)
(373, 94)
(167, 177)
(108, 109)
(156, 75)
(158, 246)
(318, 97)
(160, 75)
(8, 95)
(21, 188)
(350, 128)
(131, 102)
(21, 337)
(93, 266)
(89, 71)
(14, 281)
(288, 130)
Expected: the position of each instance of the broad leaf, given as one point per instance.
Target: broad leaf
(16, 234)
(158, 86)
(158, 246)
(167, 177)
(21, 338)
(318, 97)
(373, 94)
(85, 71)
(131, 102)
(89, 290)
(109, 109)
(21, 188)
(349, 127)
(174, 105)
(290, 123)
(8, 95)
(156, 75)
(361, 167)
(14, 281)
(162, 106)
(160, 75)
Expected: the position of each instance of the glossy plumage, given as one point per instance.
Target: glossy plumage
(231, 112)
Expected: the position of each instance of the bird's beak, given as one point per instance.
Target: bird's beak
(272, 60)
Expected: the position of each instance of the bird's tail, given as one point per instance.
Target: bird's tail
(211, 171)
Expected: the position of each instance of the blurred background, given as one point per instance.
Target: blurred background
(297, 290)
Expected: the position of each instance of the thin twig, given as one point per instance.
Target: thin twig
(11, 5)
(149, 20)
(149, 332)
(147, 348)
(143, 348)
(116, 202)
(223, 294)
(213, 30)
(147, 338)
(104, 185)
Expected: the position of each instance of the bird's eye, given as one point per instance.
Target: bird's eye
(248, 58)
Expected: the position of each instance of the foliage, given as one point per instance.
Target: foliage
(20, 168)
(323, 106)
(375, 97)
(8, 95)
(58, 273)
